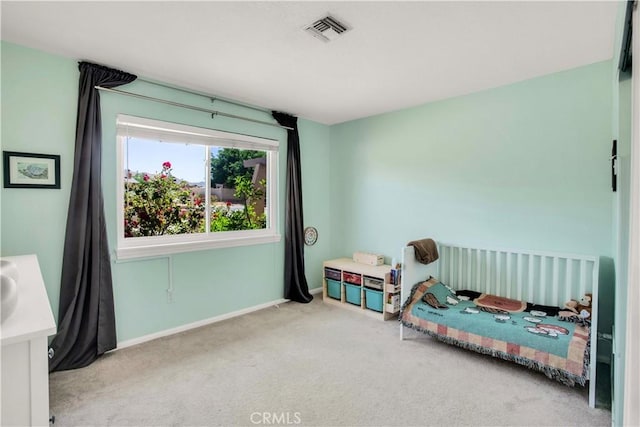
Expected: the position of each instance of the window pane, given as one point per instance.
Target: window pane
(182, 184)
(164, 188)
(238, 189)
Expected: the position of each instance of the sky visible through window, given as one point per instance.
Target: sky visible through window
(147, 156)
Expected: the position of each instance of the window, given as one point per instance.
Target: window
(183, 188)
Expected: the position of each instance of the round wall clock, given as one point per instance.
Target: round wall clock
(310, 236)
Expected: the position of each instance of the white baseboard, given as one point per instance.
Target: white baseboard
(199, 323)
(317, 290)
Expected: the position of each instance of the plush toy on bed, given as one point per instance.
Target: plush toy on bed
(585, 304)
(577, 311)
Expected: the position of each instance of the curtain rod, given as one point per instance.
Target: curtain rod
(205, 95)
(190, 107)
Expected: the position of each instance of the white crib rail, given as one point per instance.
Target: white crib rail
(540, 277)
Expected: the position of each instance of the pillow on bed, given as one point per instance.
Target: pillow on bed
(500, 303)
(440, 291)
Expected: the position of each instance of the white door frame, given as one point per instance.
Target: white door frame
(631, 402)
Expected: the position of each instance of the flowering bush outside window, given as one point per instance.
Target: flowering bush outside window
(161, 204)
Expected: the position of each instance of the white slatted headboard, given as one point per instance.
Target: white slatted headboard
(539, 277)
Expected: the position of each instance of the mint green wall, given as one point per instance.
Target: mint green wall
(39, 100)
(519, 166)
(39, 113)
(316, 196)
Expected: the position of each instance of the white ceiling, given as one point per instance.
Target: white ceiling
(397, 55)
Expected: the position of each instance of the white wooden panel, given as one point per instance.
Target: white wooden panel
(583, 278)
(555, 280)
(568, 281)
(520, 274)
(459, 261)
(469, 266)
(498, 286)
(530, 280)
(478, 269)
(16, 387)
(509, 277)
(487, 282)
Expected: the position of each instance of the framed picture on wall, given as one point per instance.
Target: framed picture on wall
(30, 170)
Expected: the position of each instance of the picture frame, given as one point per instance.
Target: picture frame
(31, 170)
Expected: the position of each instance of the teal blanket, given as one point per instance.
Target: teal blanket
(516, 329)
(558, 349)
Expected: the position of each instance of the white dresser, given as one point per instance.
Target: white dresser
(25, 363)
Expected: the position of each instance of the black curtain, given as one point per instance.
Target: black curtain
(295, 282)
(86, 318)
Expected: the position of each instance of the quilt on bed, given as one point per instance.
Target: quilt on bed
(501, 328)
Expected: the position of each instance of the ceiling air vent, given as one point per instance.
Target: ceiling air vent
(326, 29)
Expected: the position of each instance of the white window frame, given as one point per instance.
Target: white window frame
(150, 246)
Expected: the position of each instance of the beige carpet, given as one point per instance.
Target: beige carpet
(310, 364)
